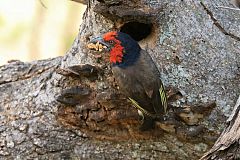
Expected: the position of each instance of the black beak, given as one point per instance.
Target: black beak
(98, 44)
(100, 40)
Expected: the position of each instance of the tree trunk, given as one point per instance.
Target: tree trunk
(70, 107)
(227, 146)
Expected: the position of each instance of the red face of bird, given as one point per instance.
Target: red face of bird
(108, 42)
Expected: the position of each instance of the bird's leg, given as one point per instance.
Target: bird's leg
(147, 123)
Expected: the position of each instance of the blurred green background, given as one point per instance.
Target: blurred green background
(37, 29)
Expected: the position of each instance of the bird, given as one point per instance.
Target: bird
(136, 75)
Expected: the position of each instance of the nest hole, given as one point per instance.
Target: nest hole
(138, 31)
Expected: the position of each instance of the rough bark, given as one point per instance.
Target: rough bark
(227, 146)
(70, 107)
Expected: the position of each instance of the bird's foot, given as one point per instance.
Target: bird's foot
(147, 124)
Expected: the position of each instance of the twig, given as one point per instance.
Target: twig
(43, 4)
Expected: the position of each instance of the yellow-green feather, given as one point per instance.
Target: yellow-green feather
(136, 105)
(163, 98)
(163, 101)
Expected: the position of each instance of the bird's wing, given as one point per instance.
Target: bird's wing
(151, 82)
(141, 82)
(129, 81)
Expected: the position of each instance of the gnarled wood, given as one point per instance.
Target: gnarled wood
(228, 144)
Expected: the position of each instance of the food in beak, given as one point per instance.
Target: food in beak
(98, 46)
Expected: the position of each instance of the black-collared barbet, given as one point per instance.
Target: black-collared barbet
(136, 74)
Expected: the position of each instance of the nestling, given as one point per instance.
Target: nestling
(136, 74)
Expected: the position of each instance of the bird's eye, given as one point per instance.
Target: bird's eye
(111, 42)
